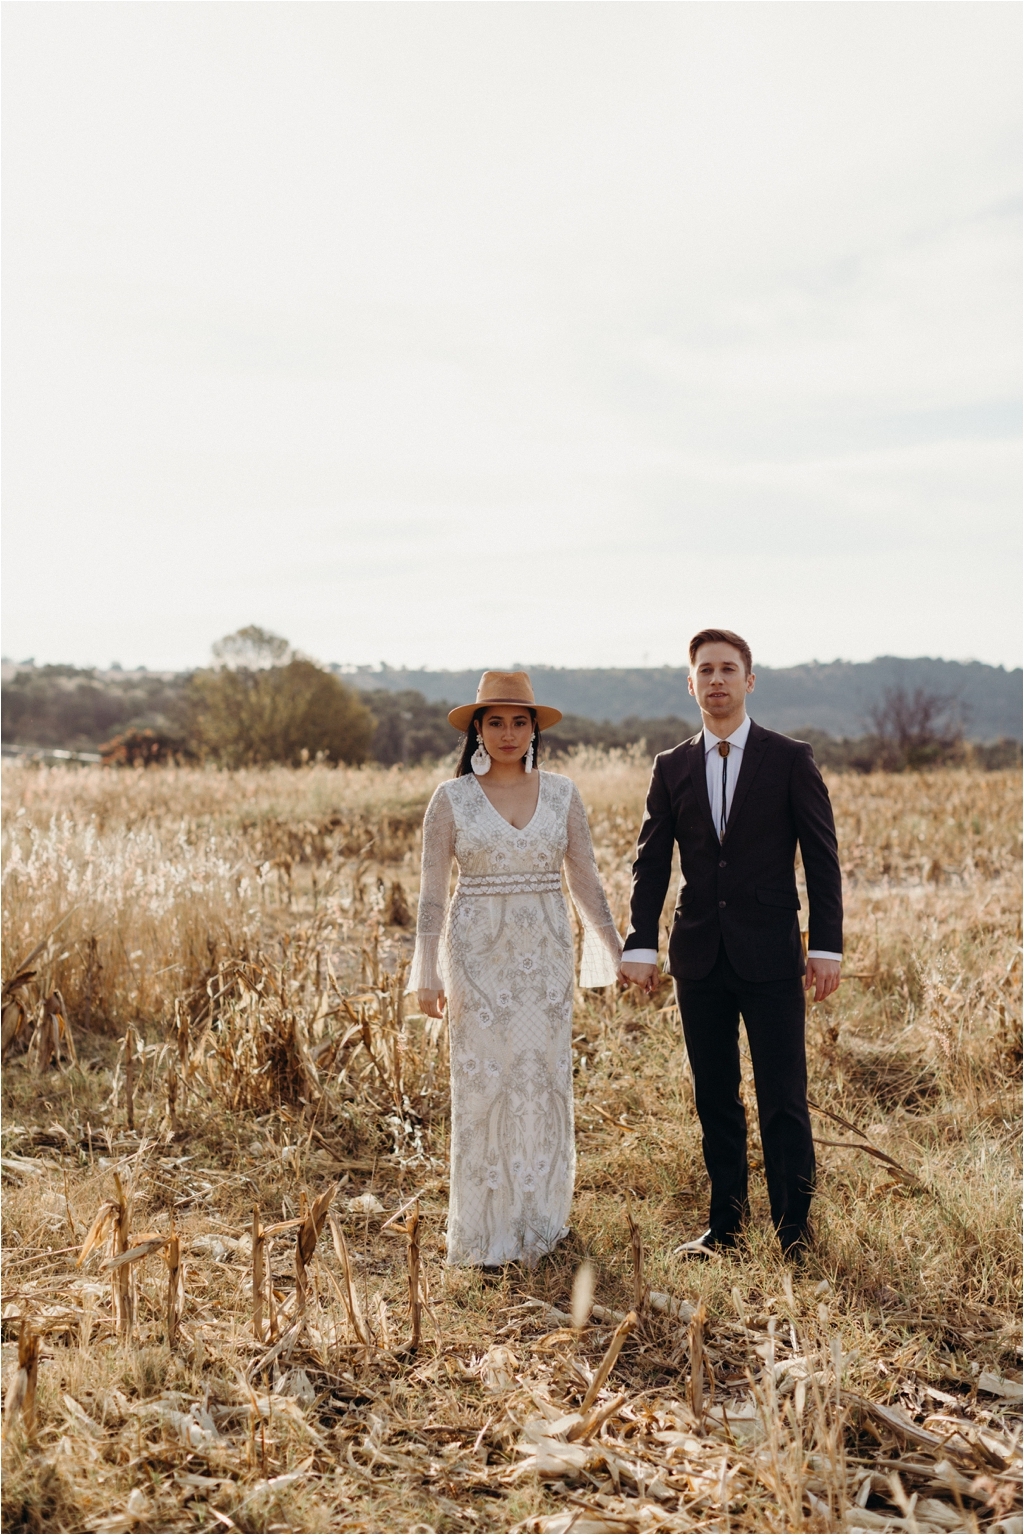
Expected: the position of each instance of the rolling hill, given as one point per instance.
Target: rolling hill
(835, 696)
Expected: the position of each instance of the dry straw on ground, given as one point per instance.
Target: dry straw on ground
(225, 1182)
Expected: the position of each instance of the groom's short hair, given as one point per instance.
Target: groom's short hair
(722, 637)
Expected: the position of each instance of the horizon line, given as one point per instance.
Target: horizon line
(380, 668)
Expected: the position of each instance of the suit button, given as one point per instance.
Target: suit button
(721, 903)
(721, 863)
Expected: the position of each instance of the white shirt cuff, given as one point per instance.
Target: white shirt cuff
(650, 956)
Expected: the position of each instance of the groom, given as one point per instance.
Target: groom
(737, 799)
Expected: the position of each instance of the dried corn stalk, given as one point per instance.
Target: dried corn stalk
(175, 1287)
(895, 1169)
(696, 1343)
(269, 1232)
(397, 913)
(636, 1243)
(114, 1215)
(14, 1016)
(170, 1125)
(129, 1075)
(15, 1011)
(350, 1300)
(145, 1243)
(587, 1427)
(604, 1369)
(306, 1239)
(121, 1276)
(182, 1035)
(412, 1233)
(582, 1295)
(98, 1230)
(258, 1273)
(44, 1046)
(272, 1327)
(21, 1394)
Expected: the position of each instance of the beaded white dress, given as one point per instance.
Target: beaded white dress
(502, 951)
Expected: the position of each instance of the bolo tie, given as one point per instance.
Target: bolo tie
(723, 752)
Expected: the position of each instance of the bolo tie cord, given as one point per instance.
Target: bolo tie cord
(723, 752)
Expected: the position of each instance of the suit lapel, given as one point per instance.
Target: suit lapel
(753, 756)
(699, 775)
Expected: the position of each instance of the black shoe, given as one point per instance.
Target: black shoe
(706, 1245)
(796, 1245)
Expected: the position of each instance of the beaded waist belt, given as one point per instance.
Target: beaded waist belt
(509, 884)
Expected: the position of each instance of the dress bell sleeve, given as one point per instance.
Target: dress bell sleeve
(435, 883)
(602, 946)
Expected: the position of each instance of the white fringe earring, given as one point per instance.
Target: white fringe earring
(480, 761)
(528, 760)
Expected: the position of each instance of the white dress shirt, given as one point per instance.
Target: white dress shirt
(714, 764)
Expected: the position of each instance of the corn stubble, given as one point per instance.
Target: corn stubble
(225, 1154)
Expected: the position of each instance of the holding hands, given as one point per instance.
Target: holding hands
(822, 976)
(644, 976)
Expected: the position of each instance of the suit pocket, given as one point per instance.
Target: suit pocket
(787, 898)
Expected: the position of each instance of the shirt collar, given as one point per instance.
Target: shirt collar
(738, 739)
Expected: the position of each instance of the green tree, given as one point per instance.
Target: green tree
(265, 704)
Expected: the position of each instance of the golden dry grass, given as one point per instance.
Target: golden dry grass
(240, 923)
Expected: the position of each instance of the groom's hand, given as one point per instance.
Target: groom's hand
(645, 976)
(823, 975)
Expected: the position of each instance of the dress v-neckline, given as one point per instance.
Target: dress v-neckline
(504, 819)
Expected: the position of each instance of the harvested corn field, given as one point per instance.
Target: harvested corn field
(224, 1165)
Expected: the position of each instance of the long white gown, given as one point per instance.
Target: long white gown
(502, 951)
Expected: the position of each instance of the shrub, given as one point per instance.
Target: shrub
(292, 713)
(141, 748)
(916, 729)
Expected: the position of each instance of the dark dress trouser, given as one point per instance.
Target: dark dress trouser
(773, 1013)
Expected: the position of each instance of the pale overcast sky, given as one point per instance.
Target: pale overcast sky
(459, 334)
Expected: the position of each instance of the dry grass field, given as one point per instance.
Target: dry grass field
(211, 1075)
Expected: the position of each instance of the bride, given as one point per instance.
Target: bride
(499, 956)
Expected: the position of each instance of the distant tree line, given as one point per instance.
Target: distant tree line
(261, 702)
(911, 728)
(411, 728)
(67, 706)
(837, 697)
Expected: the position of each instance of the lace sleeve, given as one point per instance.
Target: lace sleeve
(435, 882)
(602, 946)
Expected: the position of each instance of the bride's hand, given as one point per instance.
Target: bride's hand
(432, 1003)
(644, 976)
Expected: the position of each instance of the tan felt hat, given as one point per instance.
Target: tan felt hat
(504, 688)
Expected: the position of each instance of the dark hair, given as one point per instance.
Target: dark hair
(722, 637)
(469, 741)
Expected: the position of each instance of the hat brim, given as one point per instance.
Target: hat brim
(462, 716)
